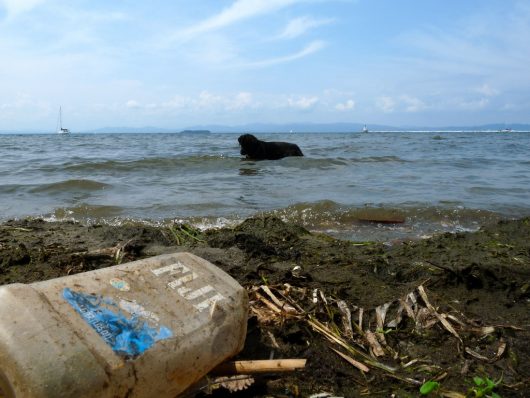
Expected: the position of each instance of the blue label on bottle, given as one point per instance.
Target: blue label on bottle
(127, 335)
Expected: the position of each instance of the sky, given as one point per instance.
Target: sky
(179, 63)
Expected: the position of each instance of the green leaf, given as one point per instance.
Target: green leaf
(428, 387)
(490, 384)
(478, 381)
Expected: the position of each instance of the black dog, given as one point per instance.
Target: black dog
(260, 150)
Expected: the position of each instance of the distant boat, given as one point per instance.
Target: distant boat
(365, 129)
(60, 129)
(505, 131)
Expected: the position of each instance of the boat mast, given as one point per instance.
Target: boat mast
(60, 129)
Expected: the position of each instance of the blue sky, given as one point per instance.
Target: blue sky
(179, 63)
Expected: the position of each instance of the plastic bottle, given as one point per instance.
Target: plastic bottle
(148, 328)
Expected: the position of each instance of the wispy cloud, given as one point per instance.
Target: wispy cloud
(198, 42)
(16, 7)
(308, 50)
(299, 26)
(205, 100)
(238, 11)
(472, 48)
(403, 103)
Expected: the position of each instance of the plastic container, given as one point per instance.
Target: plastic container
(148, 328)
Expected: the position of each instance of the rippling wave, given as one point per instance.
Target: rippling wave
(370, 186)
(154, 163)
(70, 185)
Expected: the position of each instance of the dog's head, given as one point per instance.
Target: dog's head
(249, 144)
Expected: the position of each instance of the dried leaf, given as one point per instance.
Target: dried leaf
(362, 367)
(399, 316)
(284, 306)
(441, 317)
(425, 319)
(346, 318)
(233, 383)
(380, 314)
(374, 344)
(500, 351)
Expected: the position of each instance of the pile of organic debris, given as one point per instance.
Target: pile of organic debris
(447, 316)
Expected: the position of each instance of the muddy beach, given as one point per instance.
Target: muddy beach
(371, 319)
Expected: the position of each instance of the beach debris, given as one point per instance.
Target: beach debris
(233, 383)
(208, 385)
(346, 318)
(259, 366)
(184, 232)
(117, 253)
(496, 357)
(323, 395)
(380, 216)
(297, 271)
(363, 344)
(237, 375)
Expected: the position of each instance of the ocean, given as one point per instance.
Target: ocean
(380, 186)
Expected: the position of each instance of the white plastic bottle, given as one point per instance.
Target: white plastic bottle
(148, 328)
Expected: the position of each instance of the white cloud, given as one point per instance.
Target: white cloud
(345, 106)
(299, 26)
(208, 100)
(240, 101)
(16, 7)
(302, 102)
(486, 90)
(386, 104)
(132, 104)
(204, 101)
(308, 50)
(412, 104)
(404, 103)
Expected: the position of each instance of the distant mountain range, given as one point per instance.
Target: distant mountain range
(310, 128)
(293, 127)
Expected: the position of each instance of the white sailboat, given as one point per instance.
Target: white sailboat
(365, 129)
(60, 129)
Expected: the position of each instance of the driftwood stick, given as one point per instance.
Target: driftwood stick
(260, 366)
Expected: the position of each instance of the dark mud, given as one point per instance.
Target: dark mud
(482, 277)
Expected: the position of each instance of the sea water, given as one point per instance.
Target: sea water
(432, 181)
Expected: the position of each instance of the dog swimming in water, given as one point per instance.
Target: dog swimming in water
(256, 149)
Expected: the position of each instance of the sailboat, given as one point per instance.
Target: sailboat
(365, 129)
(60, 129)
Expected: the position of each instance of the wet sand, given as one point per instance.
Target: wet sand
(479, 283)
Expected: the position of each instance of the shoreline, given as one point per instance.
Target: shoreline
(357, 223)
(481, 278)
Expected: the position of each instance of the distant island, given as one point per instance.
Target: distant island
(195, 132)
